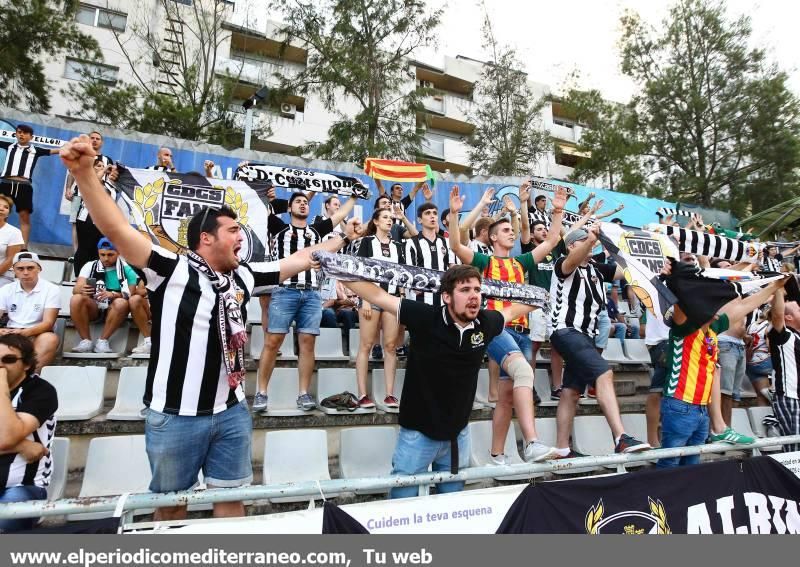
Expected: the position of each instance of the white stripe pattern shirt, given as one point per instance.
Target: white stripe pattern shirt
(431, 254)
(187, 375)
(21, 160)
(579, 297)
(288, 239)
(390, 251)
(784, 348)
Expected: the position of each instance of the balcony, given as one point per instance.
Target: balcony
(565, 133)
(444, 153)
(448, 112)
(433, 147)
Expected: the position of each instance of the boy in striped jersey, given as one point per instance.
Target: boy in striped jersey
(511, 349)
(692, 355)
(784, 346)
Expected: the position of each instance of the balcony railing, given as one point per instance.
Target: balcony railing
(433, 147)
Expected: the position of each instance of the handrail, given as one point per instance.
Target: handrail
(37, 508)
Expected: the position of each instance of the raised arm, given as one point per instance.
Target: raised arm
(379, 185)
(301, 260)
(472, 217)
(777, 311)
(554, 234)
(525, 226)
(739, 308)
(464, 253)
(611, 212)
(375, 295)
(78, 156)
(516, 310)
(581, 250)
(343, 211)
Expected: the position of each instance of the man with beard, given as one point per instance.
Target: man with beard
(447, 348)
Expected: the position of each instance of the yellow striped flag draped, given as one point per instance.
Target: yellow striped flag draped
(394, 170)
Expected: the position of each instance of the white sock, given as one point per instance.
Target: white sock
(616, 440)
(563, 452)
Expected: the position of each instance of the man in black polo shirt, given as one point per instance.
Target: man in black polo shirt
(447, 348)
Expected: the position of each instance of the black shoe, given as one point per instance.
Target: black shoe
(555, 394)
(401, 351)
(628, 444)
(572, 455)
(377, 352)
(536, 399)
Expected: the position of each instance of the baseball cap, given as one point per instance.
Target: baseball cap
(26, 257)
(575, 236)
(105, 244)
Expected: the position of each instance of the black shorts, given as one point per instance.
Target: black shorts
(20, 191)
(582, 363)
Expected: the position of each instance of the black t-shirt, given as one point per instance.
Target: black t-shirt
(442, 368)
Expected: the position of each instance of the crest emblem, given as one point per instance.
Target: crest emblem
(630, 522)
(476, 339)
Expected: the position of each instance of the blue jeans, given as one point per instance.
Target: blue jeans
(21, 494)
(682, 425)
(415, 452)
(346, 317)
(620, 330)
(302, 306)
(508, 342)
(180, 446)
(603, 328)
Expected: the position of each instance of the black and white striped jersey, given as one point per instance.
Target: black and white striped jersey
(38, 398)
(784, 348)
(161, 168)
(431, 254)
(187, 375)
(288, 239)
(480, 247)
(21, 160)
(390, 251)
(772, 264)
(579, 297)
(537, 215)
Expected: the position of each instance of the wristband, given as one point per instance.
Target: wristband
(345, 240)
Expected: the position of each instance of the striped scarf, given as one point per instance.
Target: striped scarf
(712, 245)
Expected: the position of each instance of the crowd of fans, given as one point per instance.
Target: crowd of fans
(190, 309)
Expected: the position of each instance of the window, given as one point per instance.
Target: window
(81, 70)
(101, 18)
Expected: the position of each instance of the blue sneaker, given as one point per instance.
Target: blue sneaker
(260, 402)
(306, 402)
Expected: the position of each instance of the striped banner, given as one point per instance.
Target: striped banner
(664, 212)
(394, 170)
(712, 245)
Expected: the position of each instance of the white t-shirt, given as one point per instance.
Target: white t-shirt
(10, 235)
(656, 331)
(27, 309)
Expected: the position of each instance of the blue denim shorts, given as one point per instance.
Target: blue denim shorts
(415, 451)
(582, 363)
(603, 329)
(180, 446)
(732, 363)
(508, 342)
(759, 371)
(301, 306)
(20, 494)
(658, 360)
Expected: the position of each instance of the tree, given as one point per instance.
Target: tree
(608, 141)
(509, 137)
(358, 59)
(714, 117)
(30, 31)
(176, 86)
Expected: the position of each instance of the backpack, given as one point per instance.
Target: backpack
(340, 402)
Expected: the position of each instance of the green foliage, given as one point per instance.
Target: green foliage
(508, 138)
(30, 32)
(358, 65)
(717, 123)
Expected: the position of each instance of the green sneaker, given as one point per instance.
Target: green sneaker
(732, 437)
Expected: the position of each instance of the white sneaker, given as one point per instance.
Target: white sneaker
(536, 452)
(102, 347)
(499, 460)
(84, 346)
(143, 348)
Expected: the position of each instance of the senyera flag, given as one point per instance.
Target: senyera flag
(402, 171)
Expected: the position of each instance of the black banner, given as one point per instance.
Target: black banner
(755, 496)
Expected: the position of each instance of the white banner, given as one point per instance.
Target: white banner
(39, 140)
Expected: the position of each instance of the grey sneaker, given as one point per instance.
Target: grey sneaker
(498, 460)
(84, 346)
(536, 452)
(306, 402)
(102, 346)
(260, 401)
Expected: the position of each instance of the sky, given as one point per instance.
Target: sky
(557, 37)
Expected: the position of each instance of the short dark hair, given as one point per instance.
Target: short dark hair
(539, 198)
(25, 128)
(297, 196)
(616, 220)
(444, 215)
(495, 224)
(331, 198)
(457, 274)
(205, 220)
(425, 207)
(96, 132)
(25, 347)
(384, 196)
(537, 222)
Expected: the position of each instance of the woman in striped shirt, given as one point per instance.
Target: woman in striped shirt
(378, 244)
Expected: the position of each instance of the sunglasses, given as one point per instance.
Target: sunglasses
(710, 346)
(10, 359)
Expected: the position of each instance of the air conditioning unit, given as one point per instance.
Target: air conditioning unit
(288, 109)
(424, 84)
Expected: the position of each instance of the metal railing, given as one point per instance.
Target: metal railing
(314, 489)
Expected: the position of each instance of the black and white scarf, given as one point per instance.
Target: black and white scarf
(712, 245)
(230, 323)
(98, 272)
(664, 212)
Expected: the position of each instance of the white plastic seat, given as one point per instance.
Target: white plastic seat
(66, 296)
(295, 455)
(283, 389)
(59, 454)
(332, 381)
(52, 270)
(114, 465)
(128, 404)
(254, 311)
(379, 388)
(79, 388)
(355, 339)
(542, 384)
(328, 345)
(482, 392)
(118, 342)
(613, 351)
(636, 351)
(756, 414)
(740, 422)
(592, 436)
(635, 424)
(480, 438)
(366, 452)
(546, 430)
(286, 352)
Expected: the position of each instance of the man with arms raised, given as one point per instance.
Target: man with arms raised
(197, 417)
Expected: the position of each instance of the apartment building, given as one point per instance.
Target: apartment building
(251, 51)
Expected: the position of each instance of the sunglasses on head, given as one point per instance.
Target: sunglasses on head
(9, 359)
